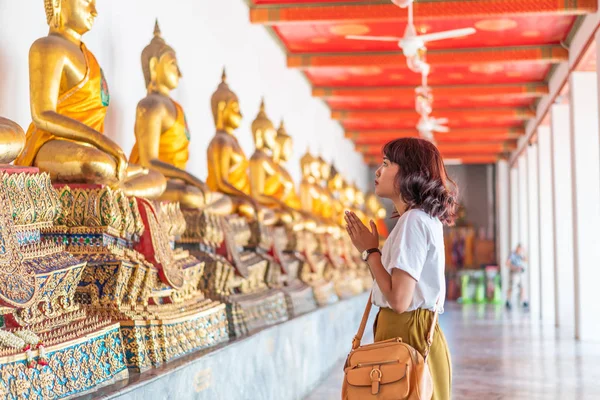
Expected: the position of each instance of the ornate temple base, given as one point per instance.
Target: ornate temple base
(91, 359)
(70, 351)
(285, 361)
(300, 298)
(156, 299)
(233, 273)
(151, 343)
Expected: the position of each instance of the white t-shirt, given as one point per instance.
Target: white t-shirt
(416, 246)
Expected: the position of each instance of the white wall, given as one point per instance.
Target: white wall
(206, 35)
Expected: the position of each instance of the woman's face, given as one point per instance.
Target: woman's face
(385, 178)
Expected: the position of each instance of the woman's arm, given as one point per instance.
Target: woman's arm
(398, 288)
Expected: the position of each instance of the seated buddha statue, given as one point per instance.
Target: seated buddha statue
(265, 179)
(12, 139)
(162, 135)
(69, 100)
(227, 163)
(335, 184)
(281, 154)
(329, 210)
(310, 195)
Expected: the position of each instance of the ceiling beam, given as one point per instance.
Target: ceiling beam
(525, 90)
(383, 10)
(547, 54)
(453, 149)
(479, 113)
(459, 159)
(455, 135)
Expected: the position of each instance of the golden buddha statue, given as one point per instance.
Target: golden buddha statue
(335, 184)
(310, 196)
(69, 100)
(162, 134)
(12, 140)
(227, 163)
(265, 180)
(328, 210)
(282, 154)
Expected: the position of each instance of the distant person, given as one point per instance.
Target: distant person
(516, 264)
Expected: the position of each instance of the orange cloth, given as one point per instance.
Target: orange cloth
(174, 143)
(86, 102)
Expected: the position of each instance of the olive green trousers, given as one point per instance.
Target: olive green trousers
(412, 327)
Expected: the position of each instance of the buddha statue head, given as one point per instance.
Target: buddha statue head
(284, 143)
(263, 130)
(159, 64)
(309, 165)
(78, 15)
(225, 107)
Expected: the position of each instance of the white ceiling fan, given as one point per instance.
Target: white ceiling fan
(427, 124)
(411, 43)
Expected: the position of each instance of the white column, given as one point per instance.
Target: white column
(585, 142)
(514, 207)
(546, 225)
(562, 217)
(502, 219)
(524, 219)
(533, 246)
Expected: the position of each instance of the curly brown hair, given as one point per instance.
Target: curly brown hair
(422, 180)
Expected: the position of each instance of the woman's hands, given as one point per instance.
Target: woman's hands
(362, 238)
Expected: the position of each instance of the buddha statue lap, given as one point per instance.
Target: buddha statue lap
(41, 324)
(108, 217)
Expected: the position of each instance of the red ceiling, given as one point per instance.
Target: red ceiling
(508, 72)
(513, 51)
(330, 37)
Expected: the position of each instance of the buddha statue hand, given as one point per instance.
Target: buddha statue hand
(107, 145)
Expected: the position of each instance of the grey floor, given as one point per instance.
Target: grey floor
(499, 355)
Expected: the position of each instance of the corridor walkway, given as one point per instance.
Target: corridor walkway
(499, 355)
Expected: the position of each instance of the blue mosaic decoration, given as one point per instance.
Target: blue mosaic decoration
(73, 369)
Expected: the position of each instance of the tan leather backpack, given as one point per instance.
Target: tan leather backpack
(388, 370)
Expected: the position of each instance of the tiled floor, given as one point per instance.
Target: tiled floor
(499, 355)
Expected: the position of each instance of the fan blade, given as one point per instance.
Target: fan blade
(375, 38)
(447, 34)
